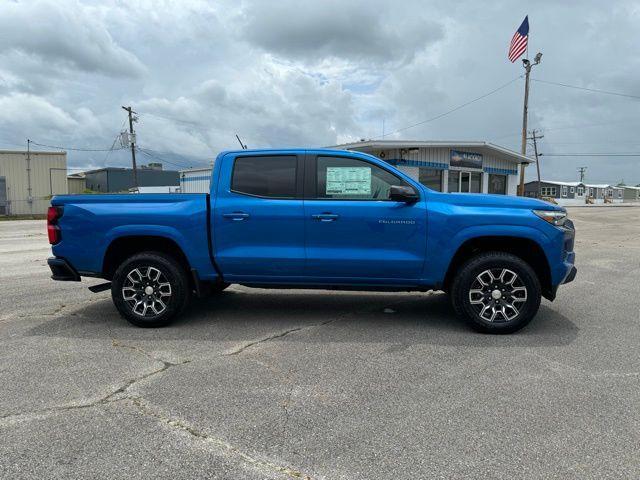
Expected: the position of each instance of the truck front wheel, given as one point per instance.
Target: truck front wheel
(496, 292)
(149, 289)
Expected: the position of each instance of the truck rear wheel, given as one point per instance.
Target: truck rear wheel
(496, 292)
(149, 289)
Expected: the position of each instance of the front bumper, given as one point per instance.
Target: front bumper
(62, 270)
(571, 275)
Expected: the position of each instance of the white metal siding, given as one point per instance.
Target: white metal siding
(48, 176)
(195, 181)
(439, 158)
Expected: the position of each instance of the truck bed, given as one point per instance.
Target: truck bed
(91, 223)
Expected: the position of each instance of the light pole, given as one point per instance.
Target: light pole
(527, 68)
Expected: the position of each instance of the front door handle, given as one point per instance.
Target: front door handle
(236, 216)
(325, 217)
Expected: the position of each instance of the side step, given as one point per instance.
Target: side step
(100, 288)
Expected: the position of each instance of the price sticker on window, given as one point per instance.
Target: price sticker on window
(348, 181)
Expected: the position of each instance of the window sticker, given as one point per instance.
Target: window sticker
(348, 180)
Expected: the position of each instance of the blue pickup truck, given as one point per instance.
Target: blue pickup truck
(324, 219)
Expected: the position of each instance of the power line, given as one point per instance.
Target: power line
(454, 109)
(162, 159)
(568, 127)
(75, 149)
(591, 154)
(595, 90)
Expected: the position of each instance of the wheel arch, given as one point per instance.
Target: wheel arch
(525, 248)
(123, 247)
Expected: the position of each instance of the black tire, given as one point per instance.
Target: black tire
(171, 289)
(218, 287)
(511, 307)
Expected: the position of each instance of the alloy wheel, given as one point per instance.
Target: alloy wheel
(147, 291)
(497, 295)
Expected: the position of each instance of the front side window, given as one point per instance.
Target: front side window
(564, 191)
(265, 176)
(352, 179)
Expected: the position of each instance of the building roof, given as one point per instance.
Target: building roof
(126, 169)
(556, 182)
(598, 185)
(628, 186)
(33, 152)
(388, 144)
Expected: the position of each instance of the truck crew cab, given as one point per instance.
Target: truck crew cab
(327, 219)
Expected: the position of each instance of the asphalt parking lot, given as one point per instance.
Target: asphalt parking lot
(262, 384)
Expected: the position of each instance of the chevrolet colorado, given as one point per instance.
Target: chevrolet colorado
(325, 219)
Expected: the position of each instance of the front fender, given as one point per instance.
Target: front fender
(439, 263)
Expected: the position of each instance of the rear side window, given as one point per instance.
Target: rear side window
(272, 177)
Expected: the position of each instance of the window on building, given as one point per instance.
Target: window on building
(273, 177)
(591, 192)
(564, 190)
(609, 193)
(572, 189)
(498, 184)
(431, 178)
(619, 193)
(465, 182)
(580, 191)
(548, 191)
(352, 179)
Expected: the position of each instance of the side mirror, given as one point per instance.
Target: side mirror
(401, 193)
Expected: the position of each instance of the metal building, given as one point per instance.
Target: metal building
(574, 193)
(29, 179)
(467, 167)
(195, 180)
(631, 194)
(112, 180)
(76, 183)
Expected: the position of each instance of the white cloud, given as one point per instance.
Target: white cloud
(317, 73)
(64, 33)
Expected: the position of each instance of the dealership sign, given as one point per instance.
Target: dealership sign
(465, 159)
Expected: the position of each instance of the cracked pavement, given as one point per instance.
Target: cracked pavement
(256, 384)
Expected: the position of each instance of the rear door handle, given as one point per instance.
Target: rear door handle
(236, 216)
(325, 217)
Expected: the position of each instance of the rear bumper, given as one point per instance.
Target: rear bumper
(62, 270)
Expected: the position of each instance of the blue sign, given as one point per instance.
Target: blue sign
(465, 159)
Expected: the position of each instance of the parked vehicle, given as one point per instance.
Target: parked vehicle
(324, 219)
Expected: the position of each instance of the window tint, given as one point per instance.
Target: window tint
(351, 179)
(273, 177)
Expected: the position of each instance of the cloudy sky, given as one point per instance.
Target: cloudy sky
(294, 73)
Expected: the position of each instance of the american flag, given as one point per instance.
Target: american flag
(519, 40)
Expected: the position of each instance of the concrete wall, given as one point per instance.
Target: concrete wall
(44, 172)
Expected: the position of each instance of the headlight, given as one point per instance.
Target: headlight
(554, 217)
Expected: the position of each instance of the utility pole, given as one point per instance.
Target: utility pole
(582, 170)
(527, 68)
(29, 190)
(132, 141)
(535, 137)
